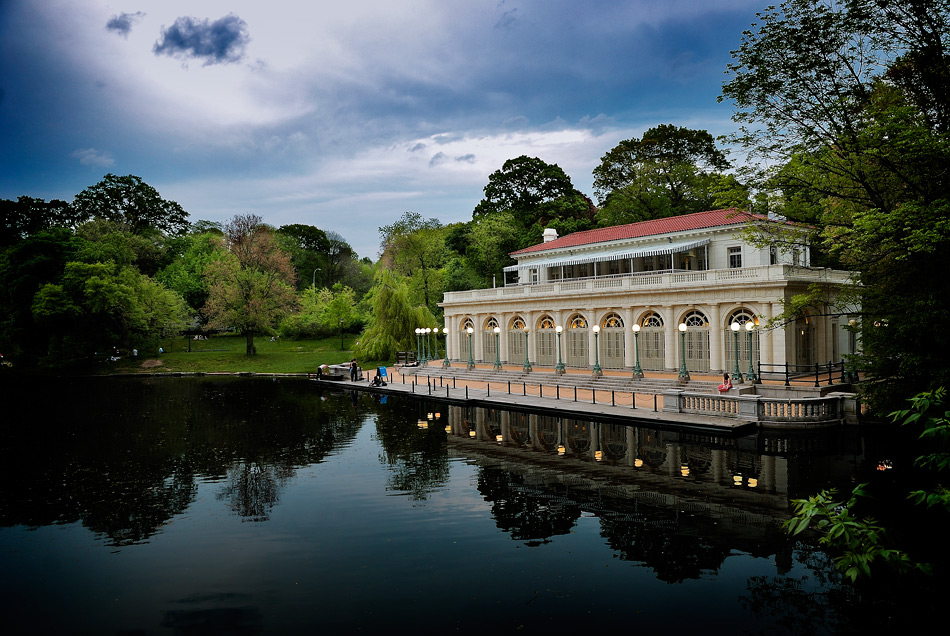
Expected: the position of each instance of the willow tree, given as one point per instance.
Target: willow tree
(252, 283)
(393, 321)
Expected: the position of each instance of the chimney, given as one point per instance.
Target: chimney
(550, 234)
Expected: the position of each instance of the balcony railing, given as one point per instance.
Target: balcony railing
(647, 280)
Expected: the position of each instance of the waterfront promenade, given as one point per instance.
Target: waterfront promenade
(614, 397)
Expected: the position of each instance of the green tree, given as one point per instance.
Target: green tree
(665, 173)
(393, 319)
(415, 247)
(851, 100)
(309, 250)
(534, 192)
(252, 285)
(186, 274)
(27, 216)
(130, 201)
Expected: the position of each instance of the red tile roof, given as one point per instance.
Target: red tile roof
(682, 223)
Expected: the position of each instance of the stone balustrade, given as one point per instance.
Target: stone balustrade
(832, 409)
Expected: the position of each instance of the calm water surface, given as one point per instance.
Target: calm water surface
(194, 506)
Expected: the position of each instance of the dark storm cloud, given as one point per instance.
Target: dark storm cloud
(123, 22)
(218, 42)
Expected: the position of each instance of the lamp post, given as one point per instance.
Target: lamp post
(429, 354)
(684, 373)
(471, 360)
(736, 374)
(418, 347)
(313, 283)
(446, 363)
(852, 345)
(527, 364)
(559, 368)
(341, 334)
(750, 327)
(637, 370)
(497, 366)
(597, 372)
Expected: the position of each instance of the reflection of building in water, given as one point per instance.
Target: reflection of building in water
(651, 490)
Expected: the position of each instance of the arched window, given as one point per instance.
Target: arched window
(741, 316)
(517, 340)
(612, 321)
(468, 324)
(491, 324)
(653, 320)
(546, 322)
(517, 324)
(695, 319)
(578, 322)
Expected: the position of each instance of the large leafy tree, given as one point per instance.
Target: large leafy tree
(669, 171)
(252, 284)
(309, 250)
(393, 319)
(131, 201)
(853, 100)
(28, 215)
(415, 247)
(535, 192)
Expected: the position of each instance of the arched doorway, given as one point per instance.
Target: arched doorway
(465, 342)
(516, 340)
(697, 342)
(741, 316)
(576, 347)
(611, 342)
(652, 342)
(545, 341)
(489, 341)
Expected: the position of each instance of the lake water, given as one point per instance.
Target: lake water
(244, 506)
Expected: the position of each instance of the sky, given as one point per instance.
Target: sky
(345, 115)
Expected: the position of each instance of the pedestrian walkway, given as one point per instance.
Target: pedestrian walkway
(613, 397)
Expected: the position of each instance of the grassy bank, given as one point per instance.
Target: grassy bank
(226, 354)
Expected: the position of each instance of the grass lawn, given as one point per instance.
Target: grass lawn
(227, 354)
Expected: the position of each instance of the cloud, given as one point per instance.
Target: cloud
(437, 158)
(219, 42)
(93, 157)
(469, 158)
(122, 23)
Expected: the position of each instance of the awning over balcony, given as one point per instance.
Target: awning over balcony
(610, 255)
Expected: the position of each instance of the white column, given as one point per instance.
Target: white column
(628, 351)
(670, 331)
(715, 340)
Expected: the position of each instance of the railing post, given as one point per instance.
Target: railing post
(787, 383)
(654, 403)
(593, 399)
(817, 371)
(633, 399)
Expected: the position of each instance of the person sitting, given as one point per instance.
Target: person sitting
(378, 380)
(726, 383)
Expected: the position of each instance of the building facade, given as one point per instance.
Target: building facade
(659, 291)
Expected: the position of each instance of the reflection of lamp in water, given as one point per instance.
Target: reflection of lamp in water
(429, 416)
(561, 450)
(753, 483)
(471, 433)
(438, 415)
(737, 480)
(684, 470)
(423, 424)
(498, 438)
(638, 462)
(599, 455)
(448, 429)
